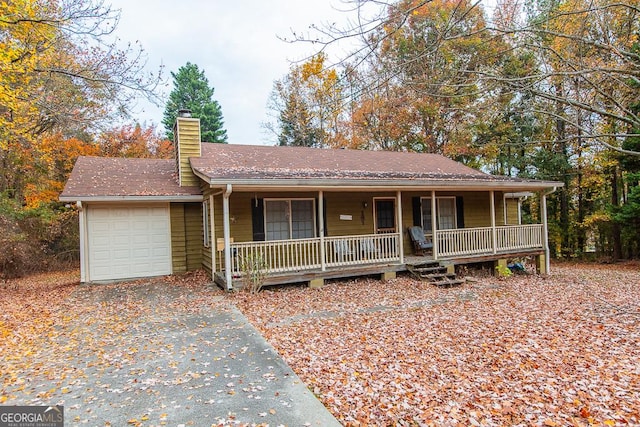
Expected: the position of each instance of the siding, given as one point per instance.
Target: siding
(476, 213)
(512, 211)
(351, 204)
(187, 133)
(186, 236)
(194, 235)
(178, 238)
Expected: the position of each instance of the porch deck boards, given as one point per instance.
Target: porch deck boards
(330, 273)
(470, 259)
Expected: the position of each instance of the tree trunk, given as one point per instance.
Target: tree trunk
(616, 233)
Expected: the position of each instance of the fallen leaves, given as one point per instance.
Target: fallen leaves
(561, 350)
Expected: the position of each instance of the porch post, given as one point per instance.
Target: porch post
(434, 224)
(399, 215)
(227, 236)
(545, 229)
(323, 261)
(494, 236)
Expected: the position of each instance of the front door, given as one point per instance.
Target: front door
(385, 215)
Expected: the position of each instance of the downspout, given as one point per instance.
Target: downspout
(227, 236)
(83, 242)
(434, 225)
(494, 235)
(323, 261)
(213, 243)
(545, 227)
(399, 216)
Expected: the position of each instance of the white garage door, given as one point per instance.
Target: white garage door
(128, 242)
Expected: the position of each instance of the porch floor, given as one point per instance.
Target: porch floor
(373, 269)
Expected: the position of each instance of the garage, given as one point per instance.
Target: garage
(128, 242)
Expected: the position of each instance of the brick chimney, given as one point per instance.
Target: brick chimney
(186, 134)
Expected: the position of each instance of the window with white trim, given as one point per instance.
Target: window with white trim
(446, 218)
(289, 219)
(206, 224)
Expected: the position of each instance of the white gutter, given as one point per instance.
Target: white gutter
(227, 236)
(189, 198)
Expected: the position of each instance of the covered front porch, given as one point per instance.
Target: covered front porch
(305, 260)
(306, 236)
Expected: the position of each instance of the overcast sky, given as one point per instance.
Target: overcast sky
(235, 42)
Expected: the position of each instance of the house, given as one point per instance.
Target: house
(310, 214)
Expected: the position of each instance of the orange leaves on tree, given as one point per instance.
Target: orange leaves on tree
(134, 141)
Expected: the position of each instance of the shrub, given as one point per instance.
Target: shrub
(254, 271)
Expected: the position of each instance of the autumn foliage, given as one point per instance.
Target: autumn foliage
(39, 232)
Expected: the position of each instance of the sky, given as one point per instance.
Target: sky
(235, 42)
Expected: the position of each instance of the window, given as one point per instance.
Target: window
(206, 228)
(385, 215)
(289, 219)
(446, 207)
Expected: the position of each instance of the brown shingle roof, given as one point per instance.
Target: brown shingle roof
(95, 177)
(225, 161)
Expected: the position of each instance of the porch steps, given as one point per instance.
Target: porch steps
(434, 273)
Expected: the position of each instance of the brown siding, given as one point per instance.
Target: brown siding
(178, 238)
(186, 236)
(194, 237)
(476, 211)
(187, 133)
(512, 211)
(351, 204)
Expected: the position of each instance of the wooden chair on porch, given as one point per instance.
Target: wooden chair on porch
(368, 248)
(420, 243)
(343, 251)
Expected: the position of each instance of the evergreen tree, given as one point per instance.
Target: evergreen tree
(295, 124)
(192, 91)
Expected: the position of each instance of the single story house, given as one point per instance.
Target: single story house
(309, 213)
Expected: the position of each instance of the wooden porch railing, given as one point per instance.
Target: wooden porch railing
(479, 241)
(358, 250)
(279, 256)
(464, 241)
(282, 256)
(519, 237)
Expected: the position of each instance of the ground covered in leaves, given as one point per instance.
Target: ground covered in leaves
(529, 350)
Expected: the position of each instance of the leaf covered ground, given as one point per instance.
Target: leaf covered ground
(558, 350)
(530, 350)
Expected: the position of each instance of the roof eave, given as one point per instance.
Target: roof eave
(386, 184)
(165, 198)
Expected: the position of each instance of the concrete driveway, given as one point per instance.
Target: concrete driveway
(151, 354)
